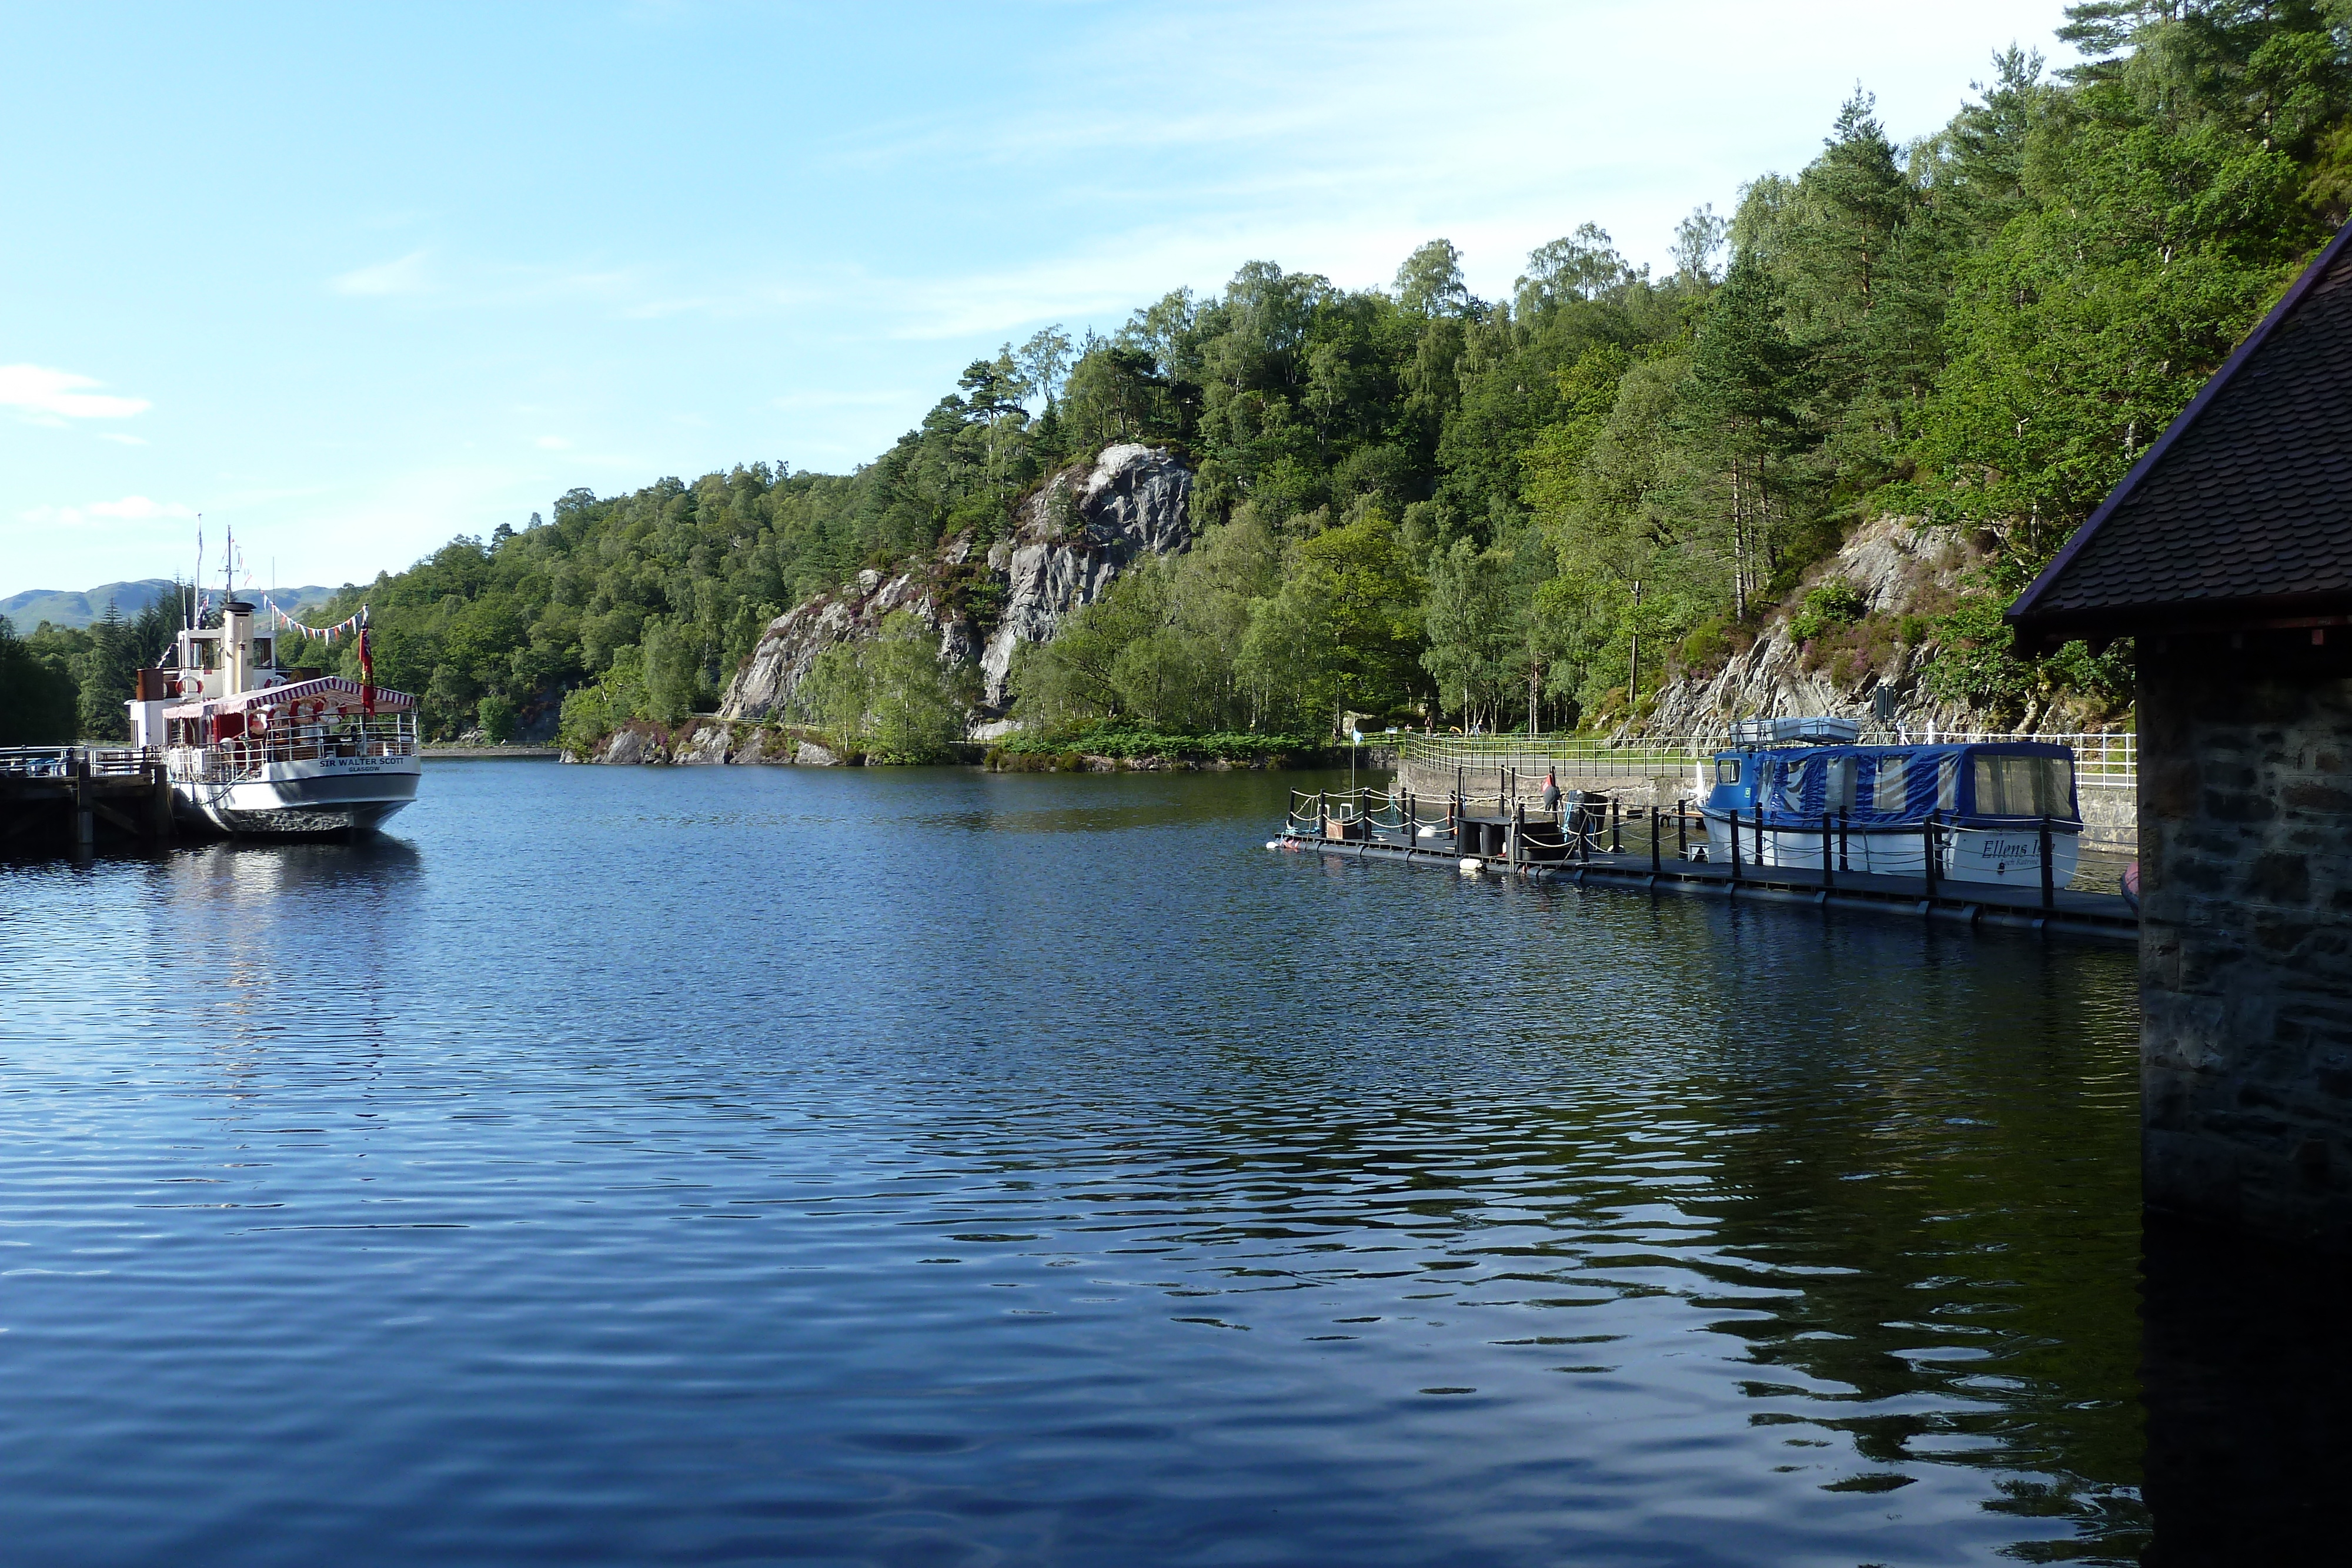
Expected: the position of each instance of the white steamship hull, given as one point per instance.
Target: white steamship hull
(331, 796)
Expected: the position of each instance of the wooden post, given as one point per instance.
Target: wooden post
(1928, 839)
(1734, 846)
(1616, 828)
(1518, 829)
(1845, 842)
(1654, 866)
(1322, 814)
(1829, 871)
(1682, 830)
(1760, 834)
(2048, 872)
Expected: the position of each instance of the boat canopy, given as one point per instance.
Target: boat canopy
(327, 689)
(1897, 786)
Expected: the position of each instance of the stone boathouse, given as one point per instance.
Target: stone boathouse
(2227, 554)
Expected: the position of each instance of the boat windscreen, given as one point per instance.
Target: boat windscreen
(2024, 786)
(1887, 790)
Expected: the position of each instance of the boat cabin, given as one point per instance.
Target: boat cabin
(1875, 787)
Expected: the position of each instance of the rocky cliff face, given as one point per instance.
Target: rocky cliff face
(1070, 540)
(851, 613)
(1079, 531)
(1897, 569)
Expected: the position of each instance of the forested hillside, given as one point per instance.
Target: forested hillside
(1412, 496)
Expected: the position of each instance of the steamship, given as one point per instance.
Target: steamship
(254, 750)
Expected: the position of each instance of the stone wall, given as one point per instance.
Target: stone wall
(2246, 843)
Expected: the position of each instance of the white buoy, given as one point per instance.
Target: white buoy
(1473, 867)
(1273, 843)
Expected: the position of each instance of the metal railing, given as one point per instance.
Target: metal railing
(72, 761)
(246, 755)
(2108, 758)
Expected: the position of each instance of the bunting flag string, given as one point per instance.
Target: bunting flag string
(340, 629)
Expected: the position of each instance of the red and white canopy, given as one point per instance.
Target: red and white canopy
(332, 690)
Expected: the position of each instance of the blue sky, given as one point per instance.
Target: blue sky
(354, 281)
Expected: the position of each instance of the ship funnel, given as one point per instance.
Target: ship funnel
(237, 646)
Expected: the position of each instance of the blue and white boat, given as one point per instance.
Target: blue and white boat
(1794, 788)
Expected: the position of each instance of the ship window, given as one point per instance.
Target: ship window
(261, 651)
(1840, 792)
(1890, 791)
(2024, 786)
(1726, 770)
(1948, 785)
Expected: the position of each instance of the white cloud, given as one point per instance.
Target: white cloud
(130, 508)
(553, 443)
(139, 507)
(121, 436)
(404, 275)
(52, 396)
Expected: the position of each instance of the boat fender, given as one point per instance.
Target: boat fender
(1430, 832)
(1473, 867)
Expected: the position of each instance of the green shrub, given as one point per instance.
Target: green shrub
(1833, 604)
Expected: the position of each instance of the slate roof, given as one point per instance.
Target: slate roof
(2241, 513)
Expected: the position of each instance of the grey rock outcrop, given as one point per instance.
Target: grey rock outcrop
(1076, 534)
(852, 612)
(1895, 568)
(631, 746)
(1070, 540)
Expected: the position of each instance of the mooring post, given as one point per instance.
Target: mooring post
(1322, 814)
(1829, 872)
(1760, 835)
(84, 823)
(159, 805)
(1927, 842)
(2048, 872)
(1654, 866)
(1518, 828)
(1616, 828)
(1845, 842)
(1682, 830)
(1734, 846)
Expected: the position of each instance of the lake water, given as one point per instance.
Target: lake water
(929, 1167)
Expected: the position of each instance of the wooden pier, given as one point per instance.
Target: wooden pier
(1600, 844)
(64, 799)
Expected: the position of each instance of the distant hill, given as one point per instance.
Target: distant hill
(61, 607)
